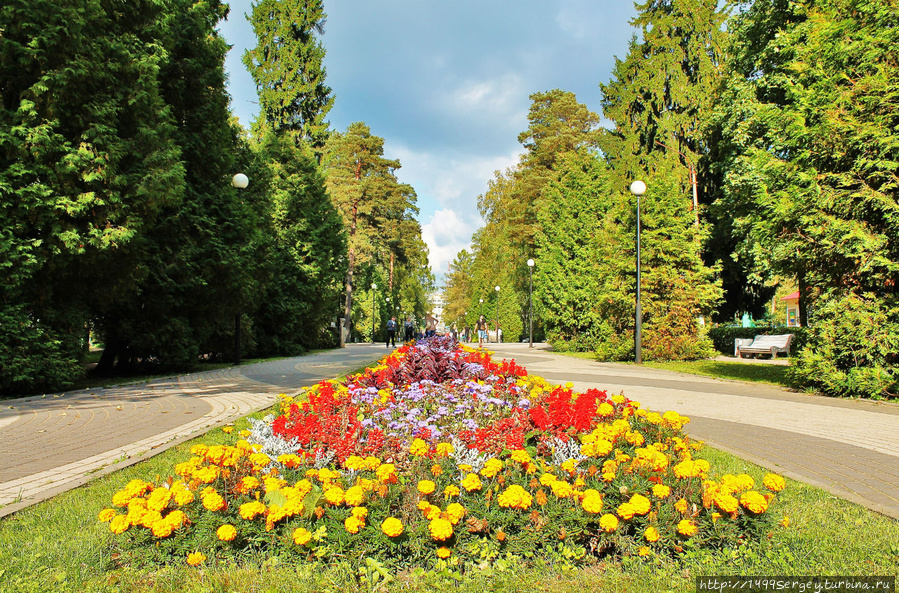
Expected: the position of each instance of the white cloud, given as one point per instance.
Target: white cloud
(446, 233)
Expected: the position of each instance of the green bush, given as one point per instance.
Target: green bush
(852, 349)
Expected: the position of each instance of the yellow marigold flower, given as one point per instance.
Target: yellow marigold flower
(455, 512)
(605, 409)
(715, 516)
(619, 399)
(651, 534)
(754, 502)
(472, 482)
(608, 523)
(686, 469)
(121, 498)
(444, 450)
(451, 491)
(260, 459)
(392, 527)
(654, 418)
(372, 463)
(687, 528)
(272, 483)
(119, 524)
(515, 497)
(440, 529)
(183, 496)
(386, 472)
(626, 511)
(206, 475)
(227, 429)
(106, 515)
(196, 558)
(226, 533)
(353, 524)
(726, 502)
(334, 495)
(592, 502)
(159, 499)
(436, 470)
(681, 506)
(432, 512)
(249, 510)
(213, 501)
(199, 450)
(423, 505)
(419, 448)
(301, 536)
(661, 491)
(608, 476)
(640, 504)
(426, 487)
(521, 456)
(177, 518)
(785, 522)
(644, 551)
(361, 512)
(303, 487)
(569, 465)
(547, 479)
(491, 468)
(464, 467)
(355, 463)
(562, 489)
(702, 466)
(290, 461)
(354, 495)
(444, 552)
(774, 483)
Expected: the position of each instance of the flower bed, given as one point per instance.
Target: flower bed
(439, 454)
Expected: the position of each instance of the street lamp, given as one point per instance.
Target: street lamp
(638, 188)
(374, 287)
(496, 288)
(531, 303)
(240, 181)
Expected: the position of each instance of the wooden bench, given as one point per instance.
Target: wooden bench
(765, 345)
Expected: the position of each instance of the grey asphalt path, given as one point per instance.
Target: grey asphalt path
(56, 442)
(847, 447)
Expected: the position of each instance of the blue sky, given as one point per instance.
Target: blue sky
(446, 84)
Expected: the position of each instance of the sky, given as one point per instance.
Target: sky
(446, 83)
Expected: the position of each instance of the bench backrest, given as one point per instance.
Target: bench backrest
(779, 341)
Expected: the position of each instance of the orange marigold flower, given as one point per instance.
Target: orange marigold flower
(651, 534)
(451, 491)
(426, 487)
(472, 482)
(687, 528)
(106, 515)
(455, 512)
(592, 502)
(436, 470)
(681, 506)
(640, 504)
(540, 497)
(774, 483)
(754, 502)
(334, 495)
(213, 501)
(644, 551)
(661, 491)
(626, 511)
(119, 524)
(226, 533)
(444, 552)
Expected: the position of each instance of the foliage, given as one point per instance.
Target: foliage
(853, 349)
(808, 123)
(387, 475)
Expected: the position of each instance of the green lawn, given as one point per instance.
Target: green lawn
(60, 546)
(742, 371)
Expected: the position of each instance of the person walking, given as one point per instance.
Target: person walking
(481, 328)
(409, 329)
(391, 332)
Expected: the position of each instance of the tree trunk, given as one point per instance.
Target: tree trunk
(390, 279)
(803, 300)
(351, 265)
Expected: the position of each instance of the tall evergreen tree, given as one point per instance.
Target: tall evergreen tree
(87, 163)
(287, 66)
(809, 122)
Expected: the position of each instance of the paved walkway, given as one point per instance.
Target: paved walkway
(50, 444)
(847, 447)
(53, 443)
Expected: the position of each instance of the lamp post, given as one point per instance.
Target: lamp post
(496, 288)
(374, 287)
(481, 306)
(638, 188)
(531, 303)
(239, 181)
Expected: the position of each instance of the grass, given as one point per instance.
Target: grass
(757, 373)
(59, 545)
(770, 374)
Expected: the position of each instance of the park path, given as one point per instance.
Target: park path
(53, 443)
(848, 447)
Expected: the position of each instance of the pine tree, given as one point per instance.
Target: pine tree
(287, 66)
